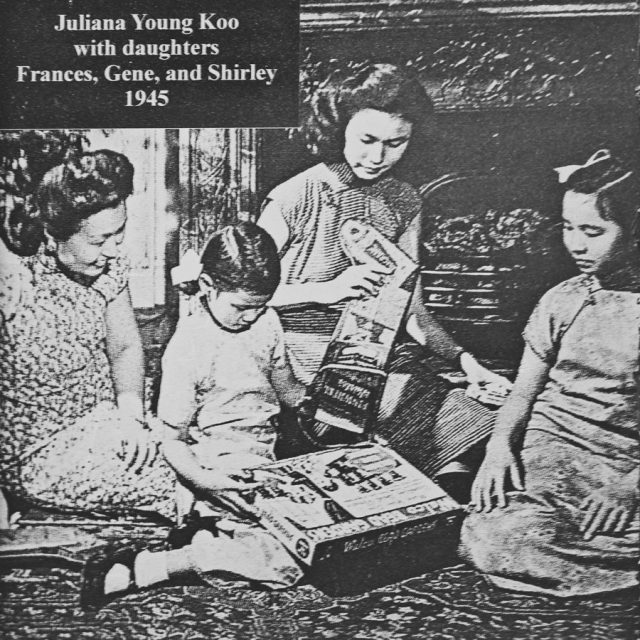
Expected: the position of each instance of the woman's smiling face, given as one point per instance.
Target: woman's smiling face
(594, 243)
(374, 142)
(96, 242)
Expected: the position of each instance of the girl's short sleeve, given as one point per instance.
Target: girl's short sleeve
(269, 339)
(177, 400)
(111, 283)
(407, 204)
(291, 200)
(552, 316)
(539, 334)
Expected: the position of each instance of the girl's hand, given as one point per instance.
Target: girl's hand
(500, 464)
(216, 482)
(355, 282)
(610, 510)
(493, 395)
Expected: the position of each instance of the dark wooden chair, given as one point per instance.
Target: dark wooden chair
(489, 250)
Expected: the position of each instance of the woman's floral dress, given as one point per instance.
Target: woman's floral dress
(61, 439)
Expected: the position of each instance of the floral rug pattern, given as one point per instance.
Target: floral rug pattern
(445, 604)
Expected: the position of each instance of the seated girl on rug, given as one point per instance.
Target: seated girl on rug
(567, 437)
(224, 374)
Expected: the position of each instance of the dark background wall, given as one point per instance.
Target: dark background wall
(520, 95)
(514, 96)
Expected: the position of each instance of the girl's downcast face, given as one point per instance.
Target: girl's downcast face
(236, 310)
(594, 243)
(374, 142)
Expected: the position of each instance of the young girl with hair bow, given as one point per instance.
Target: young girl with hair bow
(225, 375)
(567, 437)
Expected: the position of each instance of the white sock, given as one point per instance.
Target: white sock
(117, 579)
(203, 538)
(150, 568)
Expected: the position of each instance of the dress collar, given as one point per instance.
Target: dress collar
(48, 263)
(341, 173)
(205, 309)
(341, 177)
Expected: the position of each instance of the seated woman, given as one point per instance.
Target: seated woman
(567, 437)
(70, 349)
(361, 124)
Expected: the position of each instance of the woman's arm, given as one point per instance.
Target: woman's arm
(420, 324)
(353, 282)
(501, 462)
(124, 349)
(289, 390)
(427, 331)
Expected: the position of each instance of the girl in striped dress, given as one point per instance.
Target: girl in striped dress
(361, 125)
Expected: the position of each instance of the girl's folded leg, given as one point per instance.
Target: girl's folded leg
(246, 553)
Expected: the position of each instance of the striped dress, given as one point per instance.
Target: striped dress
(416, 415)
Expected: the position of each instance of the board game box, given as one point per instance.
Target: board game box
(328, 505)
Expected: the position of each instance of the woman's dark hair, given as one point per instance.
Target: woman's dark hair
(68, 194)
(615, 187)
(243, 257)
(384, 87)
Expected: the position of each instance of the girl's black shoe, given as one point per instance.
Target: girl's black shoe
(182, 535)
(96, 568)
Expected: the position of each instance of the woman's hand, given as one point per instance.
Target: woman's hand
(499, 466)
(610, 510)
(480, 375)
(355, 282)
(139, 446)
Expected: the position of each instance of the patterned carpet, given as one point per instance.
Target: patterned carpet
(448, 603)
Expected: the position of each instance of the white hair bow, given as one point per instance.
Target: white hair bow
(564, 173)
(188, 270)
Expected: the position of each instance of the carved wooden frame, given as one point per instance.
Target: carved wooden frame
(411, 14)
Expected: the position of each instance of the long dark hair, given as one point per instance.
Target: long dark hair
(384, 87)
(68, 194)
(615, 187)
(240, 257)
